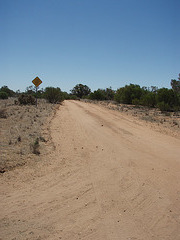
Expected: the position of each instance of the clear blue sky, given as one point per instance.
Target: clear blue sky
(100, 43)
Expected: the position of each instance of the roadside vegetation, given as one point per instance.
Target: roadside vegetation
(165, 99)
(25, 128)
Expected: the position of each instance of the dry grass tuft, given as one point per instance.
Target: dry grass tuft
(35, 147)
(3, 113)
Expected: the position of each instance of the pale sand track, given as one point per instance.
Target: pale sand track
(108, 178)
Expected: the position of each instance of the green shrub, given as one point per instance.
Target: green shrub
(66, 96)
(165, 99)
(26, 99)
(163, 106)
(9, 92)
(149, 99)
(176, 108)
(167, 96)
(128, 93)
(73, 97)
(136, 101)
(3, 95)
(53, 95)
(98, 95)
(102, 94)
(81, 90)
(110, 93)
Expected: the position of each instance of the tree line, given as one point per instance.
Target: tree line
(165, 99)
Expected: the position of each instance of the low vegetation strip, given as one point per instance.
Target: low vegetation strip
(24, 132)
(164, 99)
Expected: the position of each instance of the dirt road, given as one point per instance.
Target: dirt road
(109, 177)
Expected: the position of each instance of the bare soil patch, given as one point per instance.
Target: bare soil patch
(24, 132)
(164, 122)
(109, 177)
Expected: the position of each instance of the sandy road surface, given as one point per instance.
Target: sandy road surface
(109, 177)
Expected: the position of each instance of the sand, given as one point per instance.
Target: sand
(109, 175)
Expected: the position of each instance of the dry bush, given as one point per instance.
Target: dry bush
(26, 99)
(3, 113)
(35, 147)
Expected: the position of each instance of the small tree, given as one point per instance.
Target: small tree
(167, 97)
(175, 84)
(109, 93)
(149, 99)
(53, 95)
(98, 95)
(31, 90)
(9, 92)
(102, 94)
(81, 90)
(3, 95)
(128, 93)
(163, 107)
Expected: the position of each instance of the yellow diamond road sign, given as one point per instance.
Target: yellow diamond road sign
(37, 81)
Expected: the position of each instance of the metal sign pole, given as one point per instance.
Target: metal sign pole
(36, 96)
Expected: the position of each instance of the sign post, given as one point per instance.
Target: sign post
(37, 81)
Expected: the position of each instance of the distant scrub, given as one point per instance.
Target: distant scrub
(31, 90)
(81, 90)
(73, 97)
(9, 92)
(165, 99)
(129, 93)
(102, 94)
(164, 107)
(53, 95)
(3, 95)
(97, 95)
